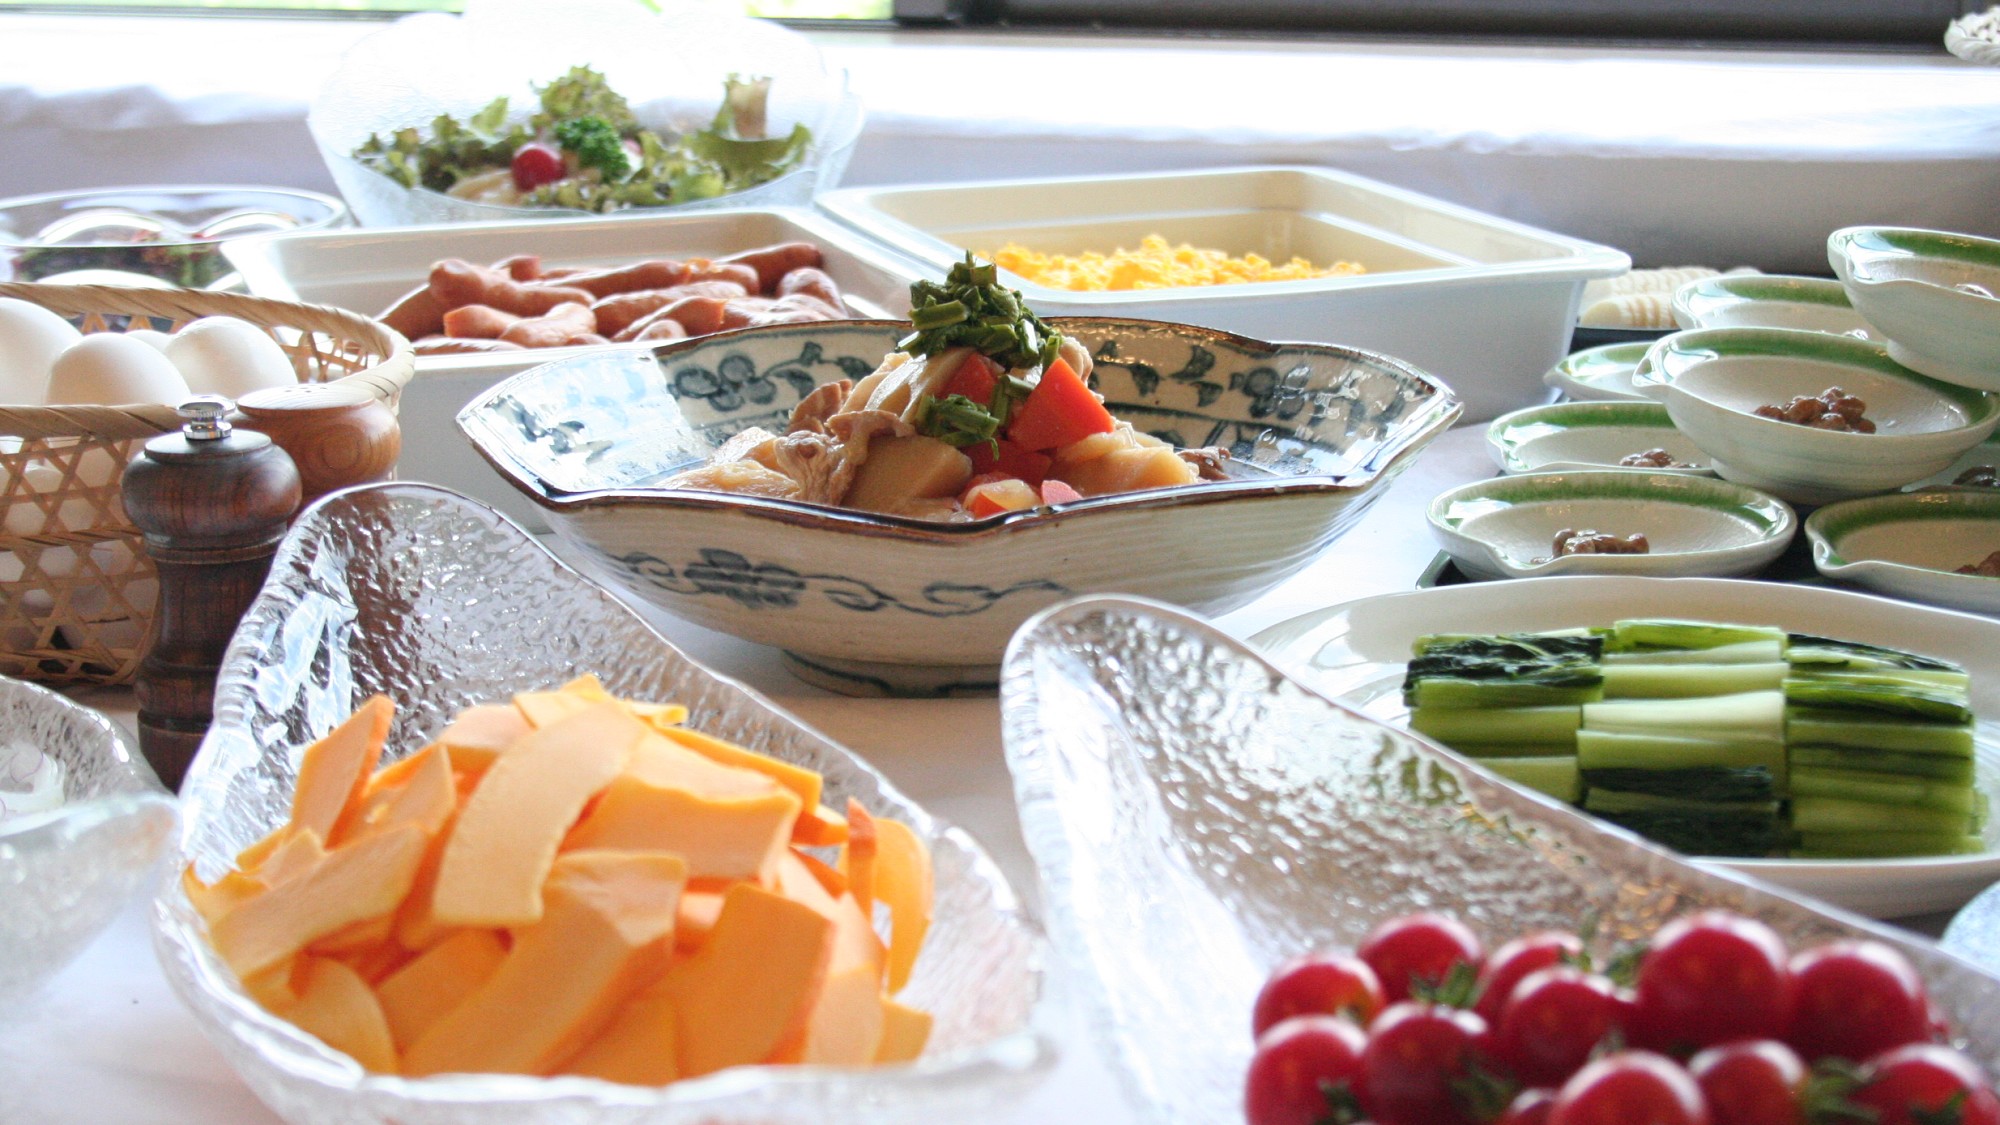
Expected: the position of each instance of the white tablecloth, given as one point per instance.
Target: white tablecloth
(108, 1042)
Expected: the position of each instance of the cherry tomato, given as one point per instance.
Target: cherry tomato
(535, 164)
(1856, 999)
(1418, 947)
(1529, 1107)
(1909, 1085)
(1516, 959)
(1751, 1082)
(1326, 983)
(1709, 978)
(1416, 1053)
(1296, 1061)
(1554, 1020)
(1630, 1088)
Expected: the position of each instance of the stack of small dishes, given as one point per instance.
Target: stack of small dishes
(1715, 380)
(1813, 304)
(1600, 374)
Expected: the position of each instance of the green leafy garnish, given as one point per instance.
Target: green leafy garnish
(972, 309)
(582, 114)
(596, 145)
(958, 421)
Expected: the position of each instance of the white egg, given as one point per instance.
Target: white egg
(221, 355)
(151, 338)
(109, 369)
(31, 337)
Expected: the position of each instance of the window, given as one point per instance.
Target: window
(1881, 21)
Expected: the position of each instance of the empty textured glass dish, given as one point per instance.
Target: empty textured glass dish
(165, 235)
(82, 819)
(1198, 817)
(438, 602)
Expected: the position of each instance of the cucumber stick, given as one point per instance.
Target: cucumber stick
(1717, 739)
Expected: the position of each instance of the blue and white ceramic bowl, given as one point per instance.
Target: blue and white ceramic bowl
(868, 603)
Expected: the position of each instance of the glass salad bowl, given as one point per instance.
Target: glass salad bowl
(438, 602)
(1198, 816)
(670, 66)
(82, 821)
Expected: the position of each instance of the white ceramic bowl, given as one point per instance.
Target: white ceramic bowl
(1590, 435)
(1198, 816)
(1910, 544)
(867, 603)
(1695, 526)
(1484, 303)
(67, 870)
(1759, 300)
(1714, 378)
(1934, 295)
(1600, 374)
(438, 602)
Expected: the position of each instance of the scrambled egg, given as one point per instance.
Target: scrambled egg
(1156, 265)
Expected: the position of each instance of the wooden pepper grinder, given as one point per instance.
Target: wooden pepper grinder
(213, 503)
(337, 435)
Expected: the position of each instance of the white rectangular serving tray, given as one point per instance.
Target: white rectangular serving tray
(367, 269)
(1483, 303)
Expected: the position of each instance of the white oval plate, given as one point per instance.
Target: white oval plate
(1815, 304)
(1600, 374)
(1590, 435)
(1506, 527)
(1356, 652)
(1910, 544)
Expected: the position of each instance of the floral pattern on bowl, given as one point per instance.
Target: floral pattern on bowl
(1198, 816)
(1911, 544)
(1591, 435)
(868, 603)
(1694, 526)
(418, 593)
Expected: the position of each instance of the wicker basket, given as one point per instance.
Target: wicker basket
(76, 590)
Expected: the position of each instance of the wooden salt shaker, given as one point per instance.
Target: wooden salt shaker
(337, 435)
(213, 502)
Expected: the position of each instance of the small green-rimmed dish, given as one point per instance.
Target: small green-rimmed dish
(1934, 295)
(1715, 379)
(1764, 300)
(1910, 544)
(1694, 526)
(1600, 374)
(1977, 469)
(1591, 435)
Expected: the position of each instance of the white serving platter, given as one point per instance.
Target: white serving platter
(367, 269)
(1483, 303)
(1356, 652)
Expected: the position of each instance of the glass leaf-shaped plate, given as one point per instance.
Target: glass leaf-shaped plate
(439, 602)
(1198, 817)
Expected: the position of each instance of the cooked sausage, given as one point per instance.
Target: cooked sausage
(521, 267)
(737, 272)
(662, 329)
(415, 314)
(562, 324)
(482, 322)
(772, 263)
(654, 273)
(456, 282)
(812, 282)
(698, 315)
(620, 311)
